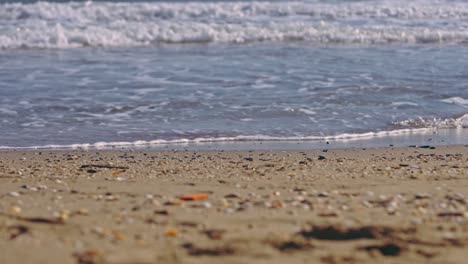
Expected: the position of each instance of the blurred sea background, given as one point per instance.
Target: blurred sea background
(152, 73)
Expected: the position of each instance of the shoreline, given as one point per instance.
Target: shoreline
(411, 138)
(265, 206)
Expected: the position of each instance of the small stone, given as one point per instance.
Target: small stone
(117, 235)
(231, 196)
(277, 204)
(422, 196)
(111, 198)
(174, 202)
(299, 198)
(172, 232)
(14, 194)
(15, 209)
(64, 215)
(82, 211)
(328, 214)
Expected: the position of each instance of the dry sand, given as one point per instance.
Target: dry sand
(386, 205)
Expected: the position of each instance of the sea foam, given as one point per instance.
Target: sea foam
(123, 24)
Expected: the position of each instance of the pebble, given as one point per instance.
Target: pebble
(15, 209)
(277, 204)
(14, 194)
(172, 232)
(422, 196)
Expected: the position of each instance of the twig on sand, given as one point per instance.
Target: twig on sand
(103, 166)
(41, 220)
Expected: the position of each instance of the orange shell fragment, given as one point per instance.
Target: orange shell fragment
(194, 197)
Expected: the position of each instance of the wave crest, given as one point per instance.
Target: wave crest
(67, 25)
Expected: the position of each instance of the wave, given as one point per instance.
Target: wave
(418, 126)
(456, 122)
(457, 101)
(107, 24)
(251, 138)
(407, 127)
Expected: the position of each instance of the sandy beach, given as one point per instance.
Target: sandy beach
(386, 205)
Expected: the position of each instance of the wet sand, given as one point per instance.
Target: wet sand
(386, 205)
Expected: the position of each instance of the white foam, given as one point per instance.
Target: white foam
(107, 24)
(6, 111)
(250, 138)
(404, 103)
(457, 101)
(459, 122)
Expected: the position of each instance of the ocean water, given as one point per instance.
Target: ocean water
(130, 73)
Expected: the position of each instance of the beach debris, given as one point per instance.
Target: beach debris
(171, 232)
(191, 224)
(328, 214)
(81, 211)
(207, 205)
(458, 197)
(215, 234)
(331, 259)
(275, 204)
(88, 257)
(14, 194)
(62, 215)
(41, 220)
(110, 197)
(174, 202)
(60, 220)
(323, 194)
(426, 254)
(421, 196)
(117, 172)
(291, 245)
(103, 166)
(387, 249)
(194, 197)
(15, 209)
(231, 196)
(117, 235)
(18, 230)
(451, 214)
(161, 212)
(340, 233)
(215, 251)
(34, 188)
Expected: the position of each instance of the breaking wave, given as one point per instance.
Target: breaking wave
(123, 24)
(457, 122)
